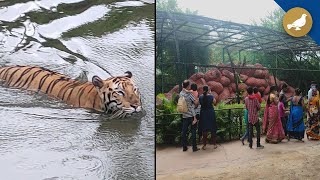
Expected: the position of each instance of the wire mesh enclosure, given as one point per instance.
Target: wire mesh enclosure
(184, 42)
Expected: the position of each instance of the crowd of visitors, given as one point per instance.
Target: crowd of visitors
(283, 116)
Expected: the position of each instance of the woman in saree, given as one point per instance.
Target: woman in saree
(295, 125)
(313, 116)
(272, 125)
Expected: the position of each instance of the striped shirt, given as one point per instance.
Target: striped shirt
(253, 106)
(190, 103)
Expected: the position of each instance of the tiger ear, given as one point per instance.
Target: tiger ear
(128, 74)
(97, 82)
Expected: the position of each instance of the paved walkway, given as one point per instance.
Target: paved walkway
(286, 160)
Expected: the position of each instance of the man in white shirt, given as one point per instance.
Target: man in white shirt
(313, 87)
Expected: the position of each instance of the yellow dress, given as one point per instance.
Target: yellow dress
(313, 118)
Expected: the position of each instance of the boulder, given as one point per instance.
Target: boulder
(254, 82)
(228, 74)
(175, 89)
(215, 86)
(196, 76)
(225, 81)
(212, 75)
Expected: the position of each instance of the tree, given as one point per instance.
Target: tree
(273, 20)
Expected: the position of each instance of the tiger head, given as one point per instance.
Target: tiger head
(119, 95)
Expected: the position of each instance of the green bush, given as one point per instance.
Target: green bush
(168, 121)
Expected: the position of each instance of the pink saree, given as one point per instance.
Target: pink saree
(272, 124)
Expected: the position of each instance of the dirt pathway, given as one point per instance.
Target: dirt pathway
(287, 160)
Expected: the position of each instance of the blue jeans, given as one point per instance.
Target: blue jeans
(246, 134)
(186, 122)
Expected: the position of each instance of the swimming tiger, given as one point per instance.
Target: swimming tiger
(118, 96)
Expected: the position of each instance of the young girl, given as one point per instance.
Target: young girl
(282, 114)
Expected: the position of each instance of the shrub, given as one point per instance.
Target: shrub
(168, 121)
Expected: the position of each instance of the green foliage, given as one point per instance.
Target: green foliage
(168, 5)
(229, 106)
(168, 121)
(228, 117)
(273, 20)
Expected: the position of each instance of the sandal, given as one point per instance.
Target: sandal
(215, 147)
(203, 148)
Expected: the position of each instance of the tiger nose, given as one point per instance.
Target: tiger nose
(134, 105)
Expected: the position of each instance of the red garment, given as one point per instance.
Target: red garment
(258, 96)
(253, 106)
(272, 124)
(252, 96)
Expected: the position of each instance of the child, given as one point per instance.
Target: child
(282, 114)
(194, 91)
(246, 134)
(257, 94)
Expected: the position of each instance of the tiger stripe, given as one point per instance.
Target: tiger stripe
(80, 92)
(10, 77)
(67, 86)
(22, 74)
(34, 75)
(22, 83)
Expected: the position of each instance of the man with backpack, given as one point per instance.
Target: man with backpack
(188, 115)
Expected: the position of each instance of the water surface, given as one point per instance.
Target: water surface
(42, 138)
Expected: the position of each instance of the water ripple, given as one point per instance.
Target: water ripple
(12, 13)
(55, 28)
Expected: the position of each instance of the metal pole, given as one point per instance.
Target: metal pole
(185, 64)
(178, 62)
(223, 55)
(277, 63)
(160, 50)
(235, 77)
(161, 69)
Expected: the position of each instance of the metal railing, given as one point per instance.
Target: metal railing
(229, 124)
